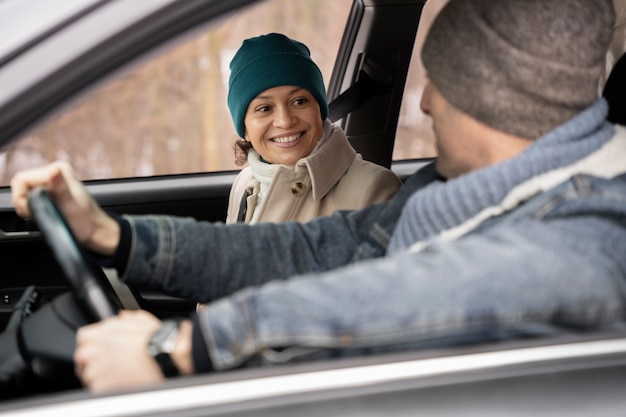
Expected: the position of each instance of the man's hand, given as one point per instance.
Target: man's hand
(113, 354)
(91, 225)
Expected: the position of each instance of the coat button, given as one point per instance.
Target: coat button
(297, 189)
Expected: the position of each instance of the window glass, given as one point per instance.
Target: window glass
(414, 137)
(619, 37)
(169, 116)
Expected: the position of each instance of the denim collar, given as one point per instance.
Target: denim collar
(443, 205)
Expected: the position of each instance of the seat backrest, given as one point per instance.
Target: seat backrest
(615, 92)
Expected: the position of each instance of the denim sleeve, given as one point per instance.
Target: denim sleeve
(204, 261)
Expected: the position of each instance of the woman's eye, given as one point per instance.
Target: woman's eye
(299, 101)
(262, 109)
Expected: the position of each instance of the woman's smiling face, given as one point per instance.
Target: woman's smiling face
(283, 124)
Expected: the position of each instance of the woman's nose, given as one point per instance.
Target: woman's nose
(284, 117)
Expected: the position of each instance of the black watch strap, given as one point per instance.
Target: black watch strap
(161, 346)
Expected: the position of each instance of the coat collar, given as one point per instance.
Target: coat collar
(330, 163)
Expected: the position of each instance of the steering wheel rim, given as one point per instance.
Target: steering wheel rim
(87, 286)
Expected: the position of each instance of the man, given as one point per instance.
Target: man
(518, 228)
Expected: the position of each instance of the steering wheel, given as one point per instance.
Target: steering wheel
(87, 285)
(37, 355)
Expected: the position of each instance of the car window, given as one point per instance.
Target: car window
(169, 115)
(619, 37)
(414, 137)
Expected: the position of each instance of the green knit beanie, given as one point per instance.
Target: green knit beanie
(269, 61)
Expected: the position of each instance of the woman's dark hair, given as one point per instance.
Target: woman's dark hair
(241, 148)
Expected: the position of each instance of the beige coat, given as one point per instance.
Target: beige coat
(333, 178)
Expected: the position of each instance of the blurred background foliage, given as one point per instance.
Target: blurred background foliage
(168, 115)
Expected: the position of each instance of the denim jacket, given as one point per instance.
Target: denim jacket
(546, 256)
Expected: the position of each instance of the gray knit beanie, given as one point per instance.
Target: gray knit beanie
(269, 61)
(520, 66)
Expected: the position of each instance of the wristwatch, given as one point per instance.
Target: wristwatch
(162, 344)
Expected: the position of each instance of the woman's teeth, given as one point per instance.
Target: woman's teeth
(287, 139)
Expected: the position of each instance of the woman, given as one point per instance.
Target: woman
(300, 165)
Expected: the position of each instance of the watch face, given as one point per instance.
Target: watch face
(164, 339)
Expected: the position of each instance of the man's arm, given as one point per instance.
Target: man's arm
(205, 261)
(529, 279)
